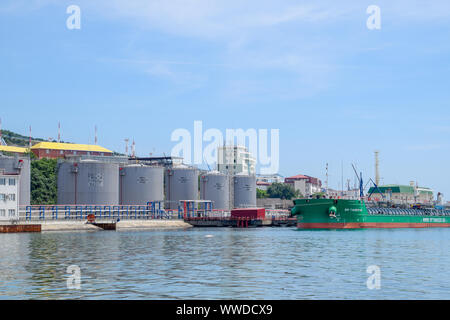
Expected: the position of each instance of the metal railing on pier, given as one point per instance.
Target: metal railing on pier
(277, 214)
(129, 212)
(81, 212)
(410, 212)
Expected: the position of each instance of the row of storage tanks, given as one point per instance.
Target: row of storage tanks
(99, 183)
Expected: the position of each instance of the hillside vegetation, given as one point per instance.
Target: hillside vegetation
(15, 139)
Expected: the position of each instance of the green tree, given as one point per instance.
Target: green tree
(43, 181)
(282, 191)
(30, 154)
(261, 193)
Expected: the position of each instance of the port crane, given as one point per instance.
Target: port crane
(362, 187)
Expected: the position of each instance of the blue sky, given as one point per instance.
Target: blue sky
(335, 90)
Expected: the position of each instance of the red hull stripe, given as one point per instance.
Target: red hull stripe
(357, 225)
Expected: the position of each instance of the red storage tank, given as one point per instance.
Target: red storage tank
(251, 213)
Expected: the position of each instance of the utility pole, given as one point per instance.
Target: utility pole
(133, 151)
(126, 146)
(96, 139)
(29, 143)
(59, 132)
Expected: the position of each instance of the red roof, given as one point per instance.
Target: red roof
(312, 180)
(299, 176)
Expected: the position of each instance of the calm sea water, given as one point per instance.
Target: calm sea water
(265, 263)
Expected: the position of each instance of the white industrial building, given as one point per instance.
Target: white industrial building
(401, 194)
(234, 160)
(344, 194)
(305, 184)
(264, 181)
(9, 196)
(270, 178)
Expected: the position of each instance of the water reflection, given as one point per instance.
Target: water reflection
(243, 264)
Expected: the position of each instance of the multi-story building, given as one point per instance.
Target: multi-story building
(270, 178)
(60, 150)
(306, 185)
(402, 194)
(233, 160)
(263, 182)
(9, 196)
(261, 185)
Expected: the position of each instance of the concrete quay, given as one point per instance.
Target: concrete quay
(122, 225)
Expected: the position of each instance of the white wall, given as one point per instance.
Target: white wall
(235, 159)
(9, 197)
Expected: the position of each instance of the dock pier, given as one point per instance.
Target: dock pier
(244, 222)
(17, 228)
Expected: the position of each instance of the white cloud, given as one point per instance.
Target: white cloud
(257, 35)
(224, 17)
(208, 18)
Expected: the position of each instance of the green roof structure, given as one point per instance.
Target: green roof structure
(396, 188)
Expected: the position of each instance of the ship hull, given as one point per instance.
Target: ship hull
(352, 214)
(370, 225)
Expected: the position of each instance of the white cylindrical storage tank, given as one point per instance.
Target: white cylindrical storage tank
(19, 166)
(140, 184)
(65, 183)
(88, 183)
(181, 183)
(244, 191)
(215, 186)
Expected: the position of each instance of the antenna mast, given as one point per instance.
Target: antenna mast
(126, 146)
(29, 143)
(59, 132)
(377, 171)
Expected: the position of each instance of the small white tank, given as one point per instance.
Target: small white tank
(181, 183)
(215, 186)
(140, 184)
(244, 191)
(88, 183)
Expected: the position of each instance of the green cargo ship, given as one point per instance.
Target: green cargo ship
(353, 214)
